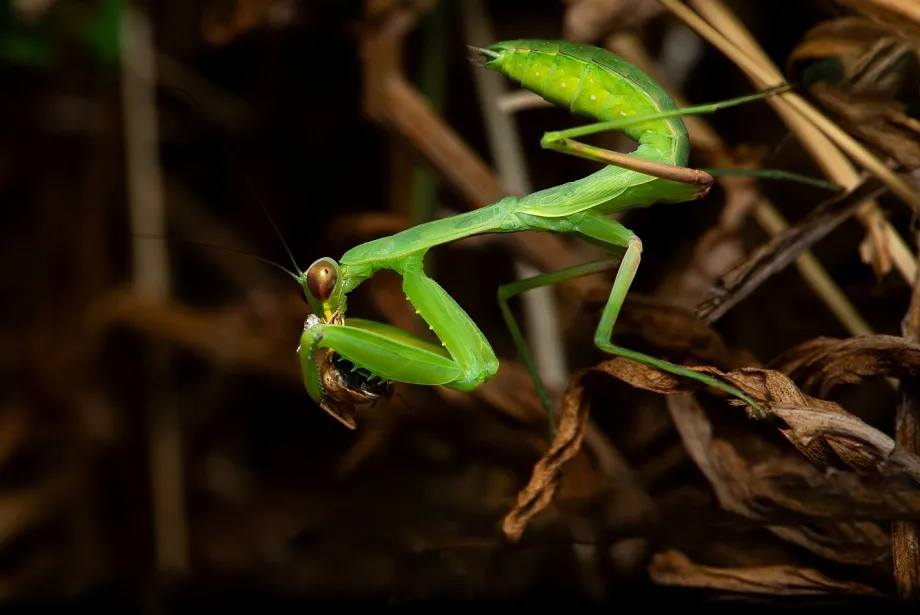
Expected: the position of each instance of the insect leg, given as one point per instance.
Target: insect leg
(614, 234)
(508, 291)
(685, 175)
(563, 141)
(394, 356)
(623, 122)
(457, 332)
(462, 361)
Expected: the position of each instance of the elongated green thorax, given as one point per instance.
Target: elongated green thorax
(364, 260)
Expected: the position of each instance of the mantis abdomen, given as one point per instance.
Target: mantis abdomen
(596, 84)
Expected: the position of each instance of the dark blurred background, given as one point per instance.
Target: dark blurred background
(157, 447)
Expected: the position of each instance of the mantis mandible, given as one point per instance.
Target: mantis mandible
(590, 82)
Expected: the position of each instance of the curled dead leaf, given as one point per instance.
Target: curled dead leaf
(798, 502)
(852, 48)
(821, 430)
(821, 364)
(544, 480)
(864, 72)
(905, 535)
(675, 568)
(788, 494)
(902, 16)
(882, 123)
(861, 447)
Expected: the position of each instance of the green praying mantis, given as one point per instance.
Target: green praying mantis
(363, 357)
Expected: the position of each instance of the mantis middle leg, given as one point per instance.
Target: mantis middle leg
(614, 236)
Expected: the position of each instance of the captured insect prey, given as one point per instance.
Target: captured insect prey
(346, 386)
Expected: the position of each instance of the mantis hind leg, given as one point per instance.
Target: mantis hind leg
(605, 231)
(513, 289)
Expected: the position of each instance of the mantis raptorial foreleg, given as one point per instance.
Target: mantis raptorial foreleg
(391, 354)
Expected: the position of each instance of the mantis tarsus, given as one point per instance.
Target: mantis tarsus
(591, 82)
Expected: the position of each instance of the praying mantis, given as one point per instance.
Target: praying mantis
(590, 82)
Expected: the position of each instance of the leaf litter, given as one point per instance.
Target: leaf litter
(844, 483)
(828, 493)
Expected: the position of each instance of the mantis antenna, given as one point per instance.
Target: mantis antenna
(255, 195)
(226, 249)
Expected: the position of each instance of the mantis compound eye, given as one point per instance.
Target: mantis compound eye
(322, 276)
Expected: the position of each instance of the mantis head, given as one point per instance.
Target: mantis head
(323, 287)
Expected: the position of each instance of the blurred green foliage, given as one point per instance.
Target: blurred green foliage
(37, 42)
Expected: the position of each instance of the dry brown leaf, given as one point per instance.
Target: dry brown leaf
(861, 447)
(821, 430)
(821, 364)
(798, 501)
(818, 428)
(878, 69)
(787, 489)
(905, 535)
(882, 124)
(902, 16)
(675, 568)
(782, 250)
(544, 480)
(863, 71)
(749, 380)
(858, 46)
